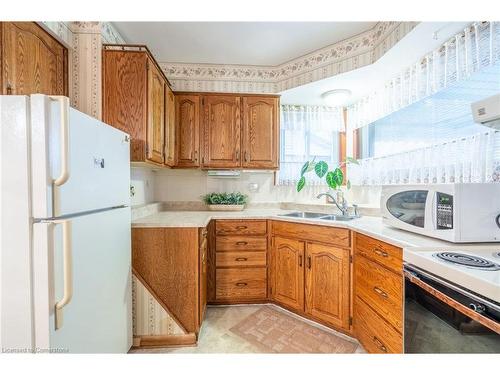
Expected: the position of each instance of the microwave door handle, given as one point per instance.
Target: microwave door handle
(414, 279)
(433, 210)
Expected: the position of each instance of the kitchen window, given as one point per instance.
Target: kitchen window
(308, 132)
(418, 128)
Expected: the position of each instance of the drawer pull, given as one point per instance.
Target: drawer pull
(241, 259)
(380, 253)
(300, 260)
(241, 227)
(241, 243)
(241, 284)
(379, 343)
(309, 262)
(380, 292)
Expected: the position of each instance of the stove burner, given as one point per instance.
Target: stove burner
(469, 261)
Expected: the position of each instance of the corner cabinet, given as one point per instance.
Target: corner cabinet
(312, 277)
(31, 61)
(260, 135)
(134, 100)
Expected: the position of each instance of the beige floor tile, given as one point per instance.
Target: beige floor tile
(216, 335)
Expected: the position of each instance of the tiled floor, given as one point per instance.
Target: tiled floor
(263, 329)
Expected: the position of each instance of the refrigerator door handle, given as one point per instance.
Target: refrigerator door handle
(64, 118)
(67, 271)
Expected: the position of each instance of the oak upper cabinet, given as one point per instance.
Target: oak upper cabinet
(187, 118)
(134, 99)
(220, 132)
(31, 61)
(170, 151)
(327, 283)
(260, 135)
(288, 272)
(156, 115)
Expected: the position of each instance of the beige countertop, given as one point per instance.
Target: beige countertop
(369, 225)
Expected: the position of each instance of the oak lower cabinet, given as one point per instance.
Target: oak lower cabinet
(378, 295)
(288, 272)
(134, 100)
(312, 277)
(240, 266)
(31, 61)
(328, 284)
(172, 264)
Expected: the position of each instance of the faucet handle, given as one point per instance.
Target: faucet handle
(356, 212)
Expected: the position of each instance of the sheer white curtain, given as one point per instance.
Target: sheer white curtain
(470, 51)
(473, 158)
(308, 132)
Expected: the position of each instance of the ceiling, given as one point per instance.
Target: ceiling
(417, 43)
(242, 43)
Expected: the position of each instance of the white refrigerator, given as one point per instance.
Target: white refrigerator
(65, 265)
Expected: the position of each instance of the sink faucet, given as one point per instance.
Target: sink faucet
(343, 208)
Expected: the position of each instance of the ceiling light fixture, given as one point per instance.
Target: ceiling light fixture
(336, 97)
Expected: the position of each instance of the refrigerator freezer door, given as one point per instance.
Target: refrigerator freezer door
(15, 226)
(97, 317)
(97, 157)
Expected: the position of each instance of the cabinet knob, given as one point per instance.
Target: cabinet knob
(380, 292)
(9, 89)
(379, 343)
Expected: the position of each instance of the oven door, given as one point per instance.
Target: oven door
(440, 317)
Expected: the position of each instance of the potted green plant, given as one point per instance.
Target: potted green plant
(225, 201)
(334, 178)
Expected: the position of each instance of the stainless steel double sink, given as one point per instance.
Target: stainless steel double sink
(317, 215)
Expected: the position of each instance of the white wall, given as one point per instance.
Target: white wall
(174, 185)
(143, 181)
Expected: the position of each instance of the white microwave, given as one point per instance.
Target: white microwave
(462, 212)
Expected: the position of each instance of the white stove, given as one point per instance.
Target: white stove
(477, 270)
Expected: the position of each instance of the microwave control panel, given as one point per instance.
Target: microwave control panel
(444, 212)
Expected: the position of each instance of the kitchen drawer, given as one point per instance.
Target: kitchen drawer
(329, 235)
(241, 259)
(236, 227)
(374, 333)
(381, 289)
(388, 255)
(241, 284)
(240, 243)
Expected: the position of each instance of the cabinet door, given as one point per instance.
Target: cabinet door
(124, 85)
(187, 117)
(203, 274)
(288, 275)
(169, 127)
(327, 284)
(221, 132)
(260, 132)
(156, 115)
(32, 61)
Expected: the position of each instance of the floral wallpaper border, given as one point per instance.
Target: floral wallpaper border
(349, 54)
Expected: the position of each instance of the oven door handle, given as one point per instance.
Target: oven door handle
(494, 326)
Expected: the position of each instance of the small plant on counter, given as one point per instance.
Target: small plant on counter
(225, 201)
(334, 178)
